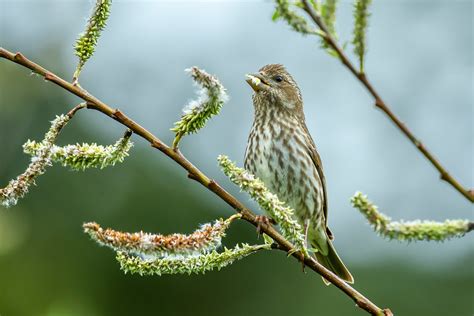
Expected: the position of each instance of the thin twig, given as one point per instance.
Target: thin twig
(196, 174)
(379, 102)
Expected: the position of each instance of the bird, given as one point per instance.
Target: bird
(281, 152)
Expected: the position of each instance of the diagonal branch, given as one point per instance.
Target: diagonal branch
(195, 174)
(380, 103)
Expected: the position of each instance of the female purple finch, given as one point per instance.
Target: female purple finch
(281, 152)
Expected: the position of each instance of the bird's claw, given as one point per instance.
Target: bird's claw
(263, 220)
(302, 262)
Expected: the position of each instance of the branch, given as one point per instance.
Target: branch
(195, 174)
(379, 102)
(409, 231)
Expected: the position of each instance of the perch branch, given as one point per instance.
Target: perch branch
(195, 174)
(380, 103)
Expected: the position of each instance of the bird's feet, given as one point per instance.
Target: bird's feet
(303, 264)
(263, 220)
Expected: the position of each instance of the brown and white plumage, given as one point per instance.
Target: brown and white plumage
(281, 152)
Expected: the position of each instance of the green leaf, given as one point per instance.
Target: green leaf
(276, 15)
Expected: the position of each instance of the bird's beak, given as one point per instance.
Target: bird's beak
(257, 82)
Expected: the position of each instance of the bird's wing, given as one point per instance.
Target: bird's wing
(313, 153)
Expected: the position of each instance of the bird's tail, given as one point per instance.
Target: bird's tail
(332, 262)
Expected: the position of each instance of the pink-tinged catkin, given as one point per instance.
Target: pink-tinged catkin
(207, 238)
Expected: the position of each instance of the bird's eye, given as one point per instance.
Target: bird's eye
(278, 78)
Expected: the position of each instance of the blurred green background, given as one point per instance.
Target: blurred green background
(420, 58)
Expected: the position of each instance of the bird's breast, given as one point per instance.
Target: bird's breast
(277, 154)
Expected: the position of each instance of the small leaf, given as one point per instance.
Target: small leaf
(276, 15)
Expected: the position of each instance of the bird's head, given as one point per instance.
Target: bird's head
(274, 88)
